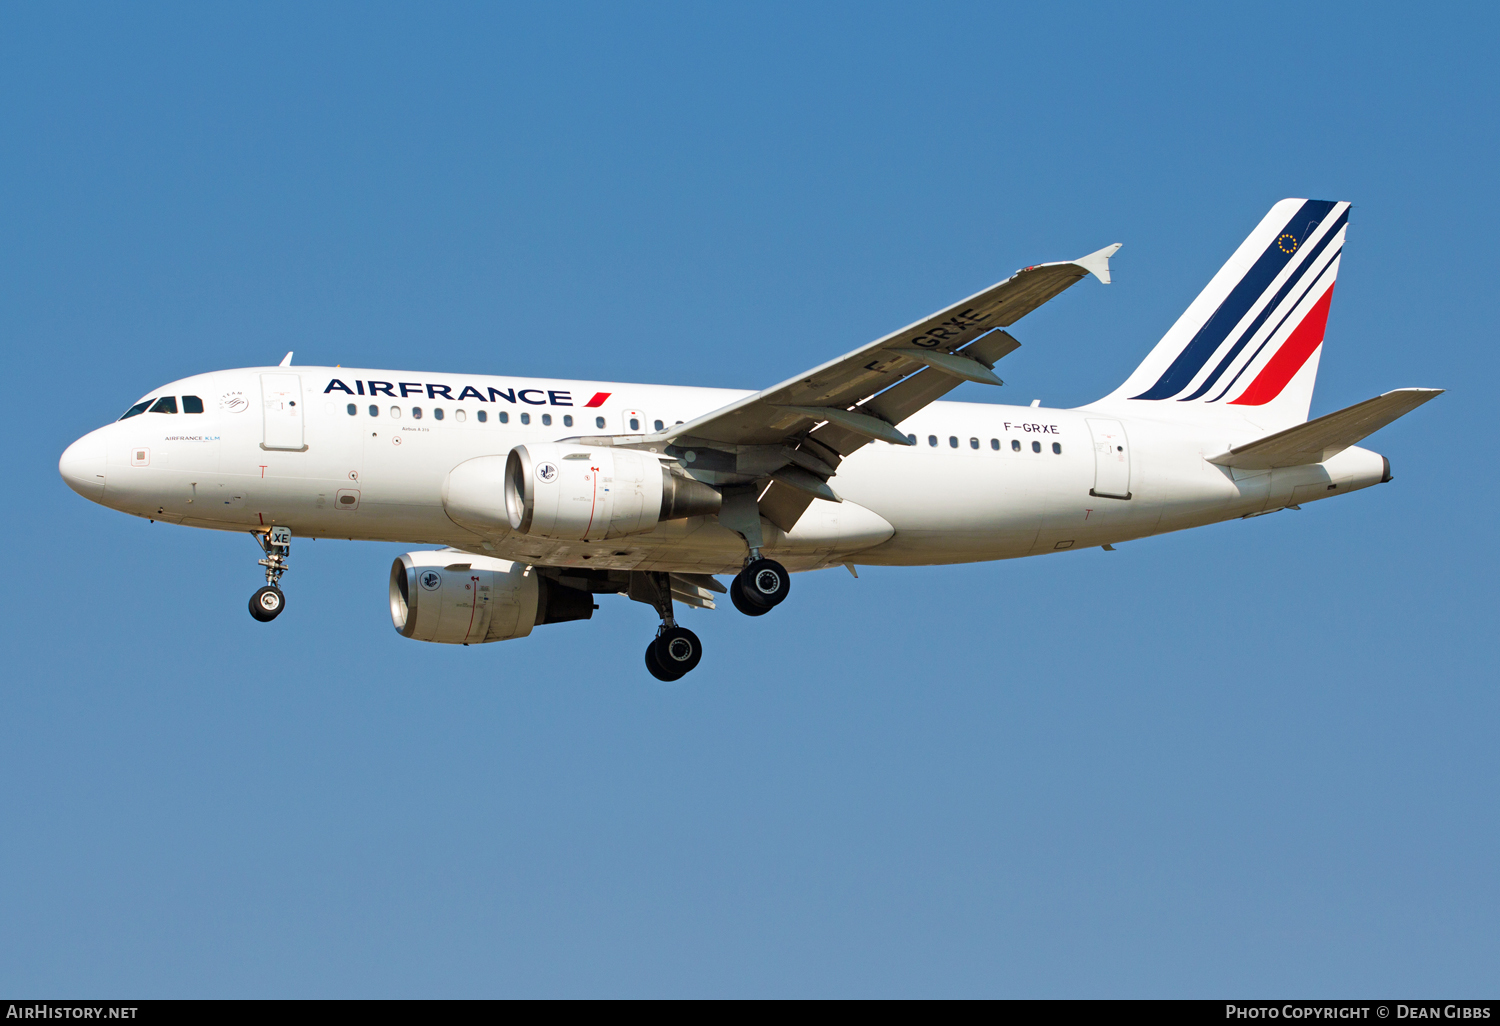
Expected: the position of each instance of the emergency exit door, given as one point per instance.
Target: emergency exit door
(1111, 459)
(281, 401)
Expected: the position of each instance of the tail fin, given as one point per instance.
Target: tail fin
(1248, 346)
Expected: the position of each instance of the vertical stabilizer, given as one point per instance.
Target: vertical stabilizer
(1248, 347)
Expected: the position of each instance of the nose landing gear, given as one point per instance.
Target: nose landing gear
(268, 602)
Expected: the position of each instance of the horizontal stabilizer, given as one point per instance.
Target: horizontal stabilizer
(1322, 439)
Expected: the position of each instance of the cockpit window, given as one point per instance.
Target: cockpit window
(166, 404)
(136, 410)
(192, 404)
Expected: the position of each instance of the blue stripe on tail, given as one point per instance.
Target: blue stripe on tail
(1234, 307)
(1269, 309)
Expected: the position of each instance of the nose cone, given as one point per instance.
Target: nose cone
(82, 466)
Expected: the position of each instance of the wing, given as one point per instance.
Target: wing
(797, 432)
(955, 344)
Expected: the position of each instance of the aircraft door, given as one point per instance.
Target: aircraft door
(1111, 459)
(281, 399)
(633, 422)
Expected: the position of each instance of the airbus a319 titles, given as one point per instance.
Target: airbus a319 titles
(533, 497)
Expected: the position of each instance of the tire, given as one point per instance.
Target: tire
(655, 668)
(743, 604)
(677, 650)
(267, 604)
(764, 583)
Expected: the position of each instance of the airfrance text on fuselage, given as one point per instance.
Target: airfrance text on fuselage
(547, 397)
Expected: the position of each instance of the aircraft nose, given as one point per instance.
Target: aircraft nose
(82, 466)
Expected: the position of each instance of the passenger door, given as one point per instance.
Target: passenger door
(1111, 459)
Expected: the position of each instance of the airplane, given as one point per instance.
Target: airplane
(540, 494)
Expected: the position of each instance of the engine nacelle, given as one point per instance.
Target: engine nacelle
(571, 492)
(457, 598)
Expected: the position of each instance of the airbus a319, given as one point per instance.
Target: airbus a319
(538, 495)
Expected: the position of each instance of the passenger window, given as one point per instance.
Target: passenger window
(166, 404)
(598, 422)
(973, 443)
(995, 444)
(437, 413)
(1036, 446)
(395, 413)
(482, 416)
(659, 425)
(635, 424)
(953, 441)
(525, 418)
(546, 420)
(912, 439)
(416, 413)
(932, 439)
(1015, 445)
(374, 410)
(192, 404)
(352, 409)
(460, 416)
(567, 420)
(136, 410)
(504, 417)
(1057, 448)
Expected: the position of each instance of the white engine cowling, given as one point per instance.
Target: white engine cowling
(457, 598)
(460, 599)
(573, 492)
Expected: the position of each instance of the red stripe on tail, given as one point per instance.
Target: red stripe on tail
(1288, 360)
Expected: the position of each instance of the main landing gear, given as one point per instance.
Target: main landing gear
(675, 650)
(763, 584)
(268, 602)
(673, 653)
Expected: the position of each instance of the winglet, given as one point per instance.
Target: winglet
(1097, 262)
(286, 361)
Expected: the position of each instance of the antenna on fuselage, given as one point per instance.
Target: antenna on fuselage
(286, 361)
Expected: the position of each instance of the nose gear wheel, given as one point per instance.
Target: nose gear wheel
(267, 603)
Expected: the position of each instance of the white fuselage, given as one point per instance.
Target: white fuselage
(1000, 482)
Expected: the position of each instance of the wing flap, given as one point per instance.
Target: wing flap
(1323, 438)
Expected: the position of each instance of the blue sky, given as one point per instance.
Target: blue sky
(1253, 759)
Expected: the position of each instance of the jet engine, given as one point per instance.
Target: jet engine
(456, 598)
(574, 492)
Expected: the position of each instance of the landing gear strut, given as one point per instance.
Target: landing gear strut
(268, 602)
(675, 650)
(763, 583)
